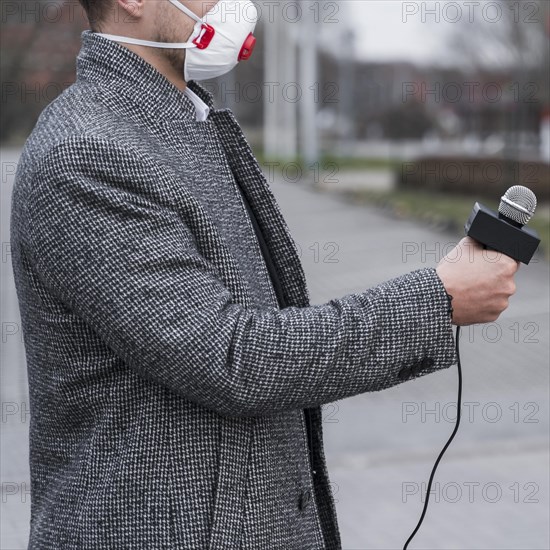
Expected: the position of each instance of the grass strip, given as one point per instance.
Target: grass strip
(442, 210)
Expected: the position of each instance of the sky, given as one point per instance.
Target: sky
(399, 30)
(385, 31)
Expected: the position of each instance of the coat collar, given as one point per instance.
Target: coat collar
(120, 71)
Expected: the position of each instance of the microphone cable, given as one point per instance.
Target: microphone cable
(458, 407)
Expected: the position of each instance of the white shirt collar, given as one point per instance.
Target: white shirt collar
(200, 106)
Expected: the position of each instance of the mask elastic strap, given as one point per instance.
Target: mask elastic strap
(203, 34)
(186, 10)
(140, 42)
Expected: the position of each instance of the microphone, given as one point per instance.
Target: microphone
(505, 231)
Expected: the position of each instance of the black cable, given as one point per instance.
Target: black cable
(458, 407)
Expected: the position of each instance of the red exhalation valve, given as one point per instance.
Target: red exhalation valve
(205, 37)
(248, 47)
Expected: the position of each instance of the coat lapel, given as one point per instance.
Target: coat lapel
(252, 181)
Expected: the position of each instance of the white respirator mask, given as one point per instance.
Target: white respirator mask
(220, 39)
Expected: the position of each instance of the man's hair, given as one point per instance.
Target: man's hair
(95, 10)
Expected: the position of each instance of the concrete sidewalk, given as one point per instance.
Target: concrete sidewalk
(491, 490)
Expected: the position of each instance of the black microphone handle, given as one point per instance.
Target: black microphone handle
(492, 231)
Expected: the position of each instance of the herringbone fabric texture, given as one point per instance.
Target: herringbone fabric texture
(167, 387)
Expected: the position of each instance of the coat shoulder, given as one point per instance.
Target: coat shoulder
(76, 115)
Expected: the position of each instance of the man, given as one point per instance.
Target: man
(176, 368)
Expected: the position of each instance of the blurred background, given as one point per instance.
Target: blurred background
(378, 125)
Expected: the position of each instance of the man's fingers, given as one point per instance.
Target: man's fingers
(468, 241)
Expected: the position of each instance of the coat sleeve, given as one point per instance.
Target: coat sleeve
(127, 265)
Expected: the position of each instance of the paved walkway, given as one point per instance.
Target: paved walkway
(491, 490)
(492, 486)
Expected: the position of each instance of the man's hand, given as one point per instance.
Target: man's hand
(480, 282)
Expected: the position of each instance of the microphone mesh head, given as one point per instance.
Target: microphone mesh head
(518, 204)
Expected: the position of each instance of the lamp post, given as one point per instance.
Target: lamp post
(309, 84)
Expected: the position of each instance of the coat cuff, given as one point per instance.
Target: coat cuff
(439, 356)
(417, 333)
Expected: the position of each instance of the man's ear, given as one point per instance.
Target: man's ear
(133, 9)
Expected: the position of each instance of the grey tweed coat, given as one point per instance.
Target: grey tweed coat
(174, 403)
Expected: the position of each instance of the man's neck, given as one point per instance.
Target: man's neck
(160, 63)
